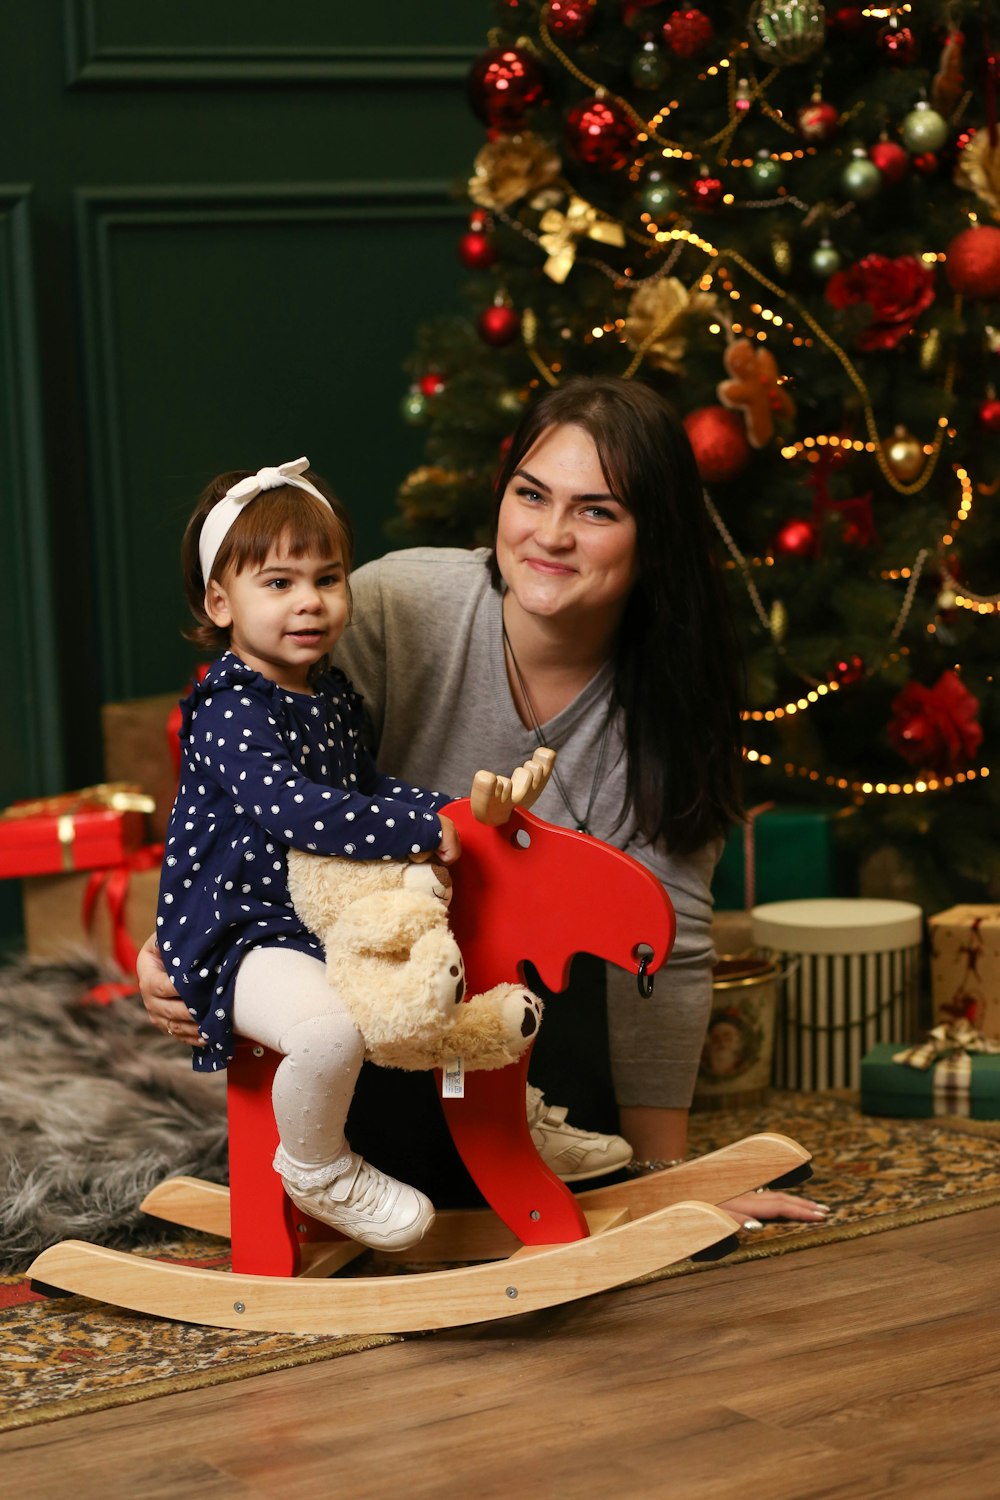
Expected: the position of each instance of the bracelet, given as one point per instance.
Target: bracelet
(642, 1167)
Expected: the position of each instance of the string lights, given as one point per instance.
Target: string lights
(862, 790)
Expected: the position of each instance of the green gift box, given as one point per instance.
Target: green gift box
(891, 1088)
(789, 853)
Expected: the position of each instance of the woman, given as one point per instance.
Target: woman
(597, 625)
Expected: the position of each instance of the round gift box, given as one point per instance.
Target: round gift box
(851, 979)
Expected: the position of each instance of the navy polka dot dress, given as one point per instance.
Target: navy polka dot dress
(262, 769)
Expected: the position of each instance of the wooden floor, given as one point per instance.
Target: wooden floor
(862, 1369)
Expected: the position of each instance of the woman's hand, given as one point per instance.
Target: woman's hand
(752, 1209)
(164, 1007)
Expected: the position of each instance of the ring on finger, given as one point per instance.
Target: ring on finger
(170, 1028)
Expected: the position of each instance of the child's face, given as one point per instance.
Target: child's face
(285, 616)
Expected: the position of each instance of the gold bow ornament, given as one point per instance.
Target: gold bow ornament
(95, 826)
(949, 1050)
(561, 233)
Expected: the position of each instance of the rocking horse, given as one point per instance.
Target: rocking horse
(536, 1244)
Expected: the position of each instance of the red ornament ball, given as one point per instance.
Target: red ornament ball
(431, 384)
(498, 325)
(570, 19)
(797, 538)
(892, 160)
(973, 265)
(475, 251)
(989, 414)
(818, 121)
(503, 84)
(706, 190)
(846, 20)
(688, 32)
(600, 134)
(898, 46)
(849, 669)
(926, 163)
(718, 438)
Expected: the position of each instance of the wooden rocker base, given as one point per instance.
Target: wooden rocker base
(635, 1228)
(541, 1276)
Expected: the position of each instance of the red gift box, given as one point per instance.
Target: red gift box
(83, 830)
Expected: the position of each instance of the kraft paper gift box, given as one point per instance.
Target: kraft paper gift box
(140, 744)
(960, 1084)
(965, 966)
(107, 914)
(780, 854)
(80, 830)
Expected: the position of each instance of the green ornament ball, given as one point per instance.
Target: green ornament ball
(861, 179)
(766, 176)
(414, 408)
(825, 260)
(649, 68)
(923, 129)
(786, 31)
(659, 197)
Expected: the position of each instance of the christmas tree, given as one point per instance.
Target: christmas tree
(779, 215)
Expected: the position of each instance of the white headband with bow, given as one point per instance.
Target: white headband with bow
(222, 516)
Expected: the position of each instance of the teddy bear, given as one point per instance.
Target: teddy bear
(392, 956)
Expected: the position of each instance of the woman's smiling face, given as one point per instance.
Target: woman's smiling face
(565, 544)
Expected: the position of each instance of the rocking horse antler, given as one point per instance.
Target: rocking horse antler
(494, 797)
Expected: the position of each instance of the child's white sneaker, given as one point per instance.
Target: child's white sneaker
(353, 1196)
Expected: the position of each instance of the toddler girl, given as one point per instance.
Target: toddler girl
(272, 757)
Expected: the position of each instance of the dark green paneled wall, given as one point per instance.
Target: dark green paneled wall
(219, 227)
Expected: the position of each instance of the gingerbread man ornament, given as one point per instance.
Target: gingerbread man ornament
(753, 388)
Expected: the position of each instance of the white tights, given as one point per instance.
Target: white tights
(283, 1001)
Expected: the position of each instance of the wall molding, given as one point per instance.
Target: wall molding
(32, 655)
(94, 59)
(105, 214)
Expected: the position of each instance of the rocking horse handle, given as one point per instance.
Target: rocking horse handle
(494, 798)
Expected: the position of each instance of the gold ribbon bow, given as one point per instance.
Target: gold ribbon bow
(561, 231)
(957, 1037)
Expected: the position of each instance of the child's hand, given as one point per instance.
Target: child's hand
(450, 847)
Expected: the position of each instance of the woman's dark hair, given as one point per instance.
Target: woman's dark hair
(678, 674)
(306, 525)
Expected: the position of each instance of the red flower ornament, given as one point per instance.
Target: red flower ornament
(897, 291)
(936, 729)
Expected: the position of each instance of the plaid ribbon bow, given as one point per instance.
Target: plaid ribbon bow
(957, 1037)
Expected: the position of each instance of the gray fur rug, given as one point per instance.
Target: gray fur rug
(95, 1108)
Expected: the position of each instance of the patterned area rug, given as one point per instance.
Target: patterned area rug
(68, 1356)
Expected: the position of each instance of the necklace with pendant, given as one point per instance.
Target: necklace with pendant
(582, 825)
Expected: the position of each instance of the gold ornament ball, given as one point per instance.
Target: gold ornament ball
(903, 454)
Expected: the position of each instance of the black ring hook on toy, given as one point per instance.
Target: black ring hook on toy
(644, 978)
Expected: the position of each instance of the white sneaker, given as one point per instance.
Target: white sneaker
(572, 1154)
(353, 1196)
